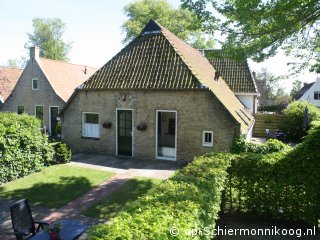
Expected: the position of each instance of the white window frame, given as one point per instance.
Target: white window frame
(204, 143)
(18, 109)
(176, 136)
(35, 79)
(83, 123)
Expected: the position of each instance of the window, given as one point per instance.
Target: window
(39, 114)
(207, 139)
(90, 125)
(35, 84)
(20, 109)
(317, 95)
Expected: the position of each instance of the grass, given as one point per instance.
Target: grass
(54, 186)
(121, 198)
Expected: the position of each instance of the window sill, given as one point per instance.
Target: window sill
(92, 138)
(207, 145)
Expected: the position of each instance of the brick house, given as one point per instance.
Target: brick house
(238, 76)
(8, 80)
(158, 98)
(44, 87)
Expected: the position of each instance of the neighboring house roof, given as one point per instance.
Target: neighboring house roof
(157, 59)
(303, 90)
(235, 73)
(65, 77)
(8, 79)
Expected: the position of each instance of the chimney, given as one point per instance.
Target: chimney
(34, 52)
(305, 84)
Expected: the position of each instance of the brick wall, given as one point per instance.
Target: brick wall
(197, 111)
(25, 96)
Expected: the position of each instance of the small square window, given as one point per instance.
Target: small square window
(317, 95)
(90, 125)
(20, 109)
(34, 84)
(207, 138)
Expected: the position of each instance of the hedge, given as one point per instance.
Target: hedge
(189, 200)
(283, 185)
(241, 145)
(23, 148)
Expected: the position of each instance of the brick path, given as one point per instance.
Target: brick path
(124, 170)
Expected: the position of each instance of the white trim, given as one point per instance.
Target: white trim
(204, 143)
(82, 127)
(132, 134)
(246, 94)
(176, 135)
(50, 117)
(37, 84)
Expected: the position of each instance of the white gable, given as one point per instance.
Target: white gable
(310, 94)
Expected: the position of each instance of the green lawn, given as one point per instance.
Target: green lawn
(121, 198)
(54, 186)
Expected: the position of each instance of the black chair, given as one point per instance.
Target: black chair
(22, 220)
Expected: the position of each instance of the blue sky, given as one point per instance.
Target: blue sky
(93, 26)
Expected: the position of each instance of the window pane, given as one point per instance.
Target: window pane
(92, 118)
(20, 109)
(316, 95)
(35, 84)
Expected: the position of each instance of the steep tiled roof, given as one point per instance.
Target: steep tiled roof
(236, 73)
(65, 77)
(8, 79)
(303, 90)
(157, 59)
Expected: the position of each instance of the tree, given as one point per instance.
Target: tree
(296, 86)
(258, 28)
(47, 34)
(12, 63)
(180, 21)
(271, 85)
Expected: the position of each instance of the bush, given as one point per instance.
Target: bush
(241, 145)
(189, 200)
(23, 148)
(293, 124)
(282, 185)
(63, 153)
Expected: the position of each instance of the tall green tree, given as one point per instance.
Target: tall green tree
(296, 86)
(258, 28)
(272, 86)
(181, 22)
(47, 34)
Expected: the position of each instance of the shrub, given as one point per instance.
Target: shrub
(293, 124)
(63, 153)
(189, 200)
(241, 145)
(23, 148)
(281, 185)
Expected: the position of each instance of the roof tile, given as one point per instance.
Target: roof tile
(8, 79)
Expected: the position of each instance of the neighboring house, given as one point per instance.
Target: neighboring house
(158, 98)
(238, 76)
(8, 79)
(310, 92)
(44, 87)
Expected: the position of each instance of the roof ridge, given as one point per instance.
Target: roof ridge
(65, 62)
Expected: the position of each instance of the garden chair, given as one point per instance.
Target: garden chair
(22, 220)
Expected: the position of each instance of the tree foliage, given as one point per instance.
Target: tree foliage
(258, 28)
(296, 86)
(180, 21)
(271, 85)
(47, 34)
